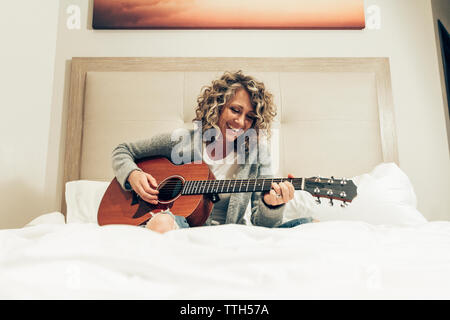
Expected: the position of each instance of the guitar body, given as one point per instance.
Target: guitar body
(121, 207)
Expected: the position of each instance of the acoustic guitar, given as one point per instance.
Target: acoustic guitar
(190, 190)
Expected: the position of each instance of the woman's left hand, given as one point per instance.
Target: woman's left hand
(280, 193)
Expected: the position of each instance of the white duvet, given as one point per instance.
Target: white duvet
(327, 260)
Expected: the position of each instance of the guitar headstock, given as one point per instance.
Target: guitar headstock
(339, 189)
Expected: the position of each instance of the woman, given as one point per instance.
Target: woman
(232, 107)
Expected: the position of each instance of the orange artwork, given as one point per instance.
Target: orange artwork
(228, 14)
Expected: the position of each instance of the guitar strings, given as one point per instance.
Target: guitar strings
(230, 188)
(227, 186)
(241, 181)
(230, 182)
(297, 180)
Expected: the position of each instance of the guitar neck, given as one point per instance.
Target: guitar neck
(237, 186)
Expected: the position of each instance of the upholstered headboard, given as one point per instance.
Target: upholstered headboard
(335, 115)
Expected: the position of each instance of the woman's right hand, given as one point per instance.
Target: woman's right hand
(144, 185)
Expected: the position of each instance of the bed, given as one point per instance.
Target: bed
(336, 117)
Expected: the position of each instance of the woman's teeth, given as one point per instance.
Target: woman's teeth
(234, 130)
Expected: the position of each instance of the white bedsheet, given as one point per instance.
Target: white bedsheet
(329, 260)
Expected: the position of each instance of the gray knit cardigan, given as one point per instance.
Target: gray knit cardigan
(167, 145)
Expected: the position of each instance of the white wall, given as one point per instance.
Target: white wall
(28, 30)
(406, 37)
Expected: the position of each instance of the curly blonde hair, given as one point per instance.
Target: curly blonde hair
(215, 97)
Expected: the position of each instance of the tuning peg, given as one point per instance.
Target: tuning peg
(331, 202)
(318, 200)
(343, 181)
(344, 204)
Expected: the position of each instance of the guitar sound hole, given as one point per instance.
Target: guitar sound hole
(170, 189)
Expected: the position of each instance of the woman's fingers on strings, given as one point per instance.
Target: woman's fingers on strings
(273, 193)
(291, 186)
(152, 180)
(150, 199)
(147, 194)
(275, 198)
(276, 187)
(146, 186)
(284, 191)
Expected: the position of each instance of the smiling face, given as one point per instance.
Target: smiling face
(235, 101)
(237, 116)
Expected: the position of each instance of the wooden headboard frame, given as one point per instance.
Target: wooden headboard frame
(81, 66)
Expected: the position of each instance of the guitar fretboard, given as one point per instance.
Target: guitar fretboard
(235, 186)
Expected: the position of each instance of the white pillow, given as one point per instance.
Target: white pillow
(55, 217)
(83, 199)
(385, 196)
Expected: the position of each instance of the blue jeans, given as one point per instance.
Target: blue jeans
(182, 223)
(295, 222)
(180, 220)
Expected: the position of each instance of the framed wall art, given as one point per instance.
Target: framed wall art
(230, 14)
(444, 38)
